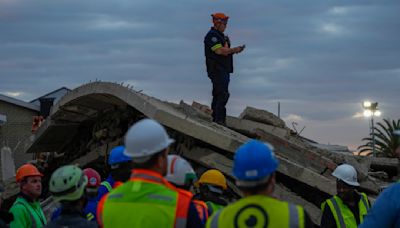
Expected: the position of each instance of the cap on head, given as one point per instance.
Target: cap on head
(347, 174)
(219, 18)
(144, 139)
(180, 172)
(27, 170)
(254, 162)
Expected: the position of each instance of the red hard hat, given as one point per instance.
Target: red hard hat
(93, 177)
(219, 17)
(27, 170)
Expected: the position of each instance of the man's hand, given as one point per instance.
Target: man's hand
(239, 49)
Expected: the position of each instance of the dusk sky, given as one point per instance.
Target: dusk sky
(319, 59)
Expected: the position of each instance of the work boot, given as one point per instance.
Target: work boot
(220, 122)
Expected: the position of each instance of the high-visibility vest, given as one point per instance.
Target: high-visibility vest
(27, 214)
(202, 210)
(213, 207)
(342, 214)
(146, 200)
(258, 211)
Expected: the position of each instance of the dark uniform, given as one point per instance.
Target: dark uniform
(218, 69)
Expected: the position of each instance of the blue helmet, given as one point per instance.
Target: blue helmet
(254, 162)
(117, 156)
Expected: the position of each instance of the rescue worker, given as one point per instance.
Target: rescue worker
(386, 210)
(120, 166)
(348, 207)
(212, 185)
(26, 209)
(5, 216)
(254, 169)
(92, 186)
(67, 185)
(90, 210)
(147, 199)
(219, 62)
(181, 175)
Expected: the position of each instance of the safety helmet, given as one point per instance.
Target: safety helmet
(219, 18)
(144, 139)
(67, 183)
(117, 156)
(180, 172)
(347, 174)
(27, 170)
(213, 177)
(93, 177)
(253, 164)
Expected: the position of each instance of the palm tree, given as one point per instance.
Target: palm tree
(386, 141)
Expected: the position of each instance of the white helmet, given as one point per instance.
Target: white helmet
(347, 174)
(180, 172)
(145, 138)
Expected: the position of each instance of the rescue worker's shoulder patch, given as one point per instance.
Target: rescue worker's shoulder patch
(214, 39)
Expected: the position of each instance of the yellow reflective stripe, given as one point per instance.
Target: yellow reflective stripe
(215, 47)
(107, 185)
(90, 216)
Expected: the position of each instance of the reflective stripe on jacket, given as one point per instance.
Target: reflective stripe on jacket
(202, 210)
(258, 211)
(146, 200)
(342, 214)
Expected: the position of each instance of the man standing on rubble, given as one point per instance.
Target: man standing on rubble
(348, 207)
(254, 168)
(26, 209)
(219, 64)
(147, 199)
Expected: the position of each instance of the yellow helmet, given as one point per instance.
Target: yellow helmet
(214, 177)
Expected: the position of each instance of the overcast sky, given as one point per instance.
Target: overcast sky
(319, 59)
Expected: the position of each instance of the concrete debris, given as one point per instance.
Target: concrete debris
(87, 122)
(262, 116)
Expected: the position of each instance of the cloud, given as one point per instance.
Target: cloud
(13, 94)
(318, 60)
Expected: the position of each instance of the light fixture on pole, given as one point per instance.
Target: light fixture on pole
(371, 110)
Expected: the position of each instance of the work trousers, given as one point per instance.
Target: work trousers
(220, 95)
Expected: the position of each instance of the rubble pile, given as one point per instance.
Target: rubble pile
(92, 118)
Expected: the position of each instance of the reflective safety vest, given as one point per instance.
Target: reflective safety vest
(342, 214)
(27, 214)
(146, 200)
(202, 210)
(258, 211)
(213, 207)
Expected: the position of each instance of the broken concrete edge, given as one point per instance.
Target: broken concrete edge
(262, 116)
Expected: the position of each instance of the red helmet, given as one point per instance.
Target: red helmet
(93, 177)
(219, 18)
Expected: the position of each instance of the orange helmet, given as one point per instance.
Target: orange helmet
(219, 18)
(27, 170)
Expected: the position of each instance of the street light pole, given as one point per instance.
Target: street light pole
(371, 110)
(373, 136)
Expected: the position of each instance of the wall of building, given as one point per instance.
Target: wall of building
(16, 132)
